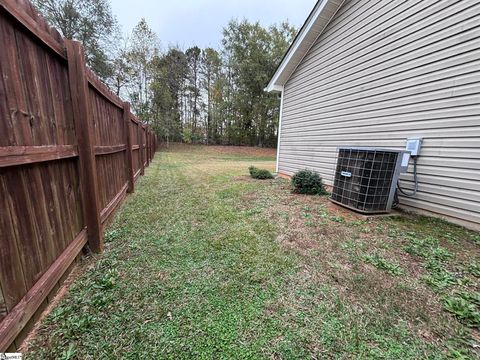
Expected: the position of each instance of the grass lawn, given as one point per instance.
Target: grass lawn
(203, 262)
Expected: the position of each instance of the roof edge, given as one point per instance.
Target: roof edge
(307, 29)
(274, 88)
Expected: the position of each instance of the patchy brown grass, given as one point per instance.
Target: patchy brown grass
(205, 262)
(333, 243)
(223, 150)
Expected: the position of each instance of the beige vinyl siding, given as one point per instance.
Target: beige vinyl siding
(383, 71)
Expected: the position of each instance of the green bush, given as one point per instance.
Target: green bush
(308, 182)
(187, 136)
(261, 174)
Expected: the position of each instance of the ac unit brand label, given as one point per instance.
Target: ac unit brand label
(10, 356)
(346, 173)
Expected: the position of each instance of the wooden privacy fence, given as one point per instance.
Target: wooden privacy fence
(70, 150)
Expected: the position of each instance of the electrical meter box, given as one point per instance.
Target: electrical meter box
(414, 145)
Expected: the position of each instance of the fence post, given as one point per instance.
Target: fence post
(84, 130)
(128, 142)
(151, 146)
(147, 153)
(140, 149)
(147, 141)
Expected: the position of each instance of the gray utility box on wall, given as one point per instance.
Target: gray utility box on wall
(366, 178)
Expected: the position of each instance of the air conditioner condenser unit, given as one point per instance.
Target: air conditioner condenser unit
(366, 178)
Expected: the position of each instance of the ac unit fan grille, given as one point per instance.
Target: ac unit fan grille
(363, 179)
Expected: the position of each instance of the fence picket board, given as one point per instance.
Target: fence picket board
(85, 135)
(18, 317)
(11, 273)
(3, 306)
(129, 155)
(140, 149)
(147, 152)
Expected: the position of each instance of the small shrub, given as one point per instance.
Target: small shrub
(187, 136)
(308, 182)
(261, 174)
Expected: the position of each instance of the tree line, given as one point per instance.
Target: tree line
(194, 95)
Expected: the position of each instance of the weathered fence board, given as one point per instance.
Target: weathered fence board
(141, 143)
(111, 176)
(3, 306)
(70, 150)
(112, 205)
(26, 308)
(129, 167)
(21, 155)
(85, 137)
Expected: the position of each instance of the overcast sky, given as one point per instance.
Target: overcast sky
(200, 22)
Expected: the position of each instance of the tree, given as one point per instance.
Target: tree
(193, 60)
(88, 21)
(218, 97)
(144, 47)
(210, 71)
(170, 71)
(122, 71)
(253, 53)
(200, 95)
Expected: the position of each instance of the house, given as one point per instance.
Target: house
(374, 73)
